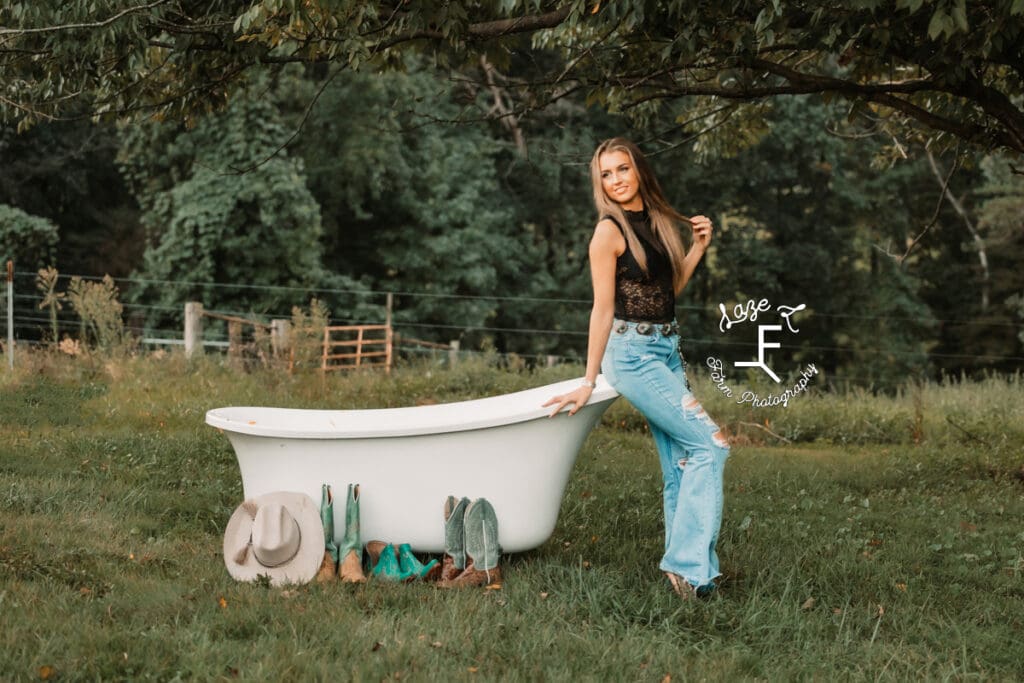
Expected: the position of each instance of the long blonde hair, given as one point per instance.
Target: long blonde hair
(664, 218)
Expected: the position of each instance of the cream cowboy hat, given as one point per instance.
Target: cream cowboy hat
(279, 535)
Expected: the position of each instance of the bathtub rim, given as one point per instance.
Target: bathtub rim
(220, 418)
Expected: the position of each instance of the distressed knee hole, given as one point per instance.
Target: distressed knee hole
(720, 439)
(691, 404)
(682, 463)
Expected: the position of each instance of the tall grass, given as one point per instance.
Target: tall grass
(885, 544)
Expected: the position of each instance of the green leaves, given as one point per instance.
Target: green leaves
(30, 241)
(179, 65)
(910, 5)
(948, 19)
(225, 204)
(941, 23)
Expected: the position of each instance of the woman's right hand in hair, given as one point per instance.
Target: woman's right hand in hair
(702, 230)
(578, 397)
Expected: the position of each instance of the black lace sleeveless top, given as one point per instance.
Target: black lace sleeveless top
(643, 296)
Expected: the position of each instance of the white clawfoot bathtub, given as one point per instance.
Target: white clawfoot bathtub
(408, 460)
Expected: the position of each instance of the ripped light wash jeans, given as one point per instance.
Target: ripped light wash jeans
(649, 371)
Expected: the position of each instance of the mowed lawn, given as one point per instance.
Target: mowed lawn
(890, 546)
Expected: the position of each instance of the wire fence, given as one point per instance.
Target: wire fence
(32, 322)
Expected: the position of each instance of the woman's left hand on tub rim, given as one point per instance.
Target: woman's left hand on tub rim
(578, 397)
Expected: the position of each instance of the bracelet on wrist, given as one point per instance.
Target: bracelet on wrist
(587, 383)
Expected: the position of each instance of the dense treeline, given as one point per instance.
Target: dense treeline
(406, 181)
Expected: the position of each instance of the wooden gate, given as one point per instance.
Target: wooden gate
(360, 346)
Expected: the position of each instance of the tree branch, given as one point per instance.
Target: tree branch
(978, 241)
(935, 217)
(508, 117)
(997, 105)
(993, 102)
(961, 129)
(527, 24)
(72, 27)
(488, 29)
(822, 83)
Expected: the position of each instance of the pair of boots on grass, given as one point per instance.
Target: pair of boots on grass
(470, 544)
(344, 560)
(471, 531)
(341, 560)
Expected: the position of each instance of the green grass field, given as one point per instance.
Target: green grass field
(864, 537)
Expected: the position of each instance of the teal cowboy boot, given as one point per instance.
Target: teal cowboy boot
(350, 550)
(329, 566)
(454, 538)
(387, 566)
(482, 549)
(410, 565)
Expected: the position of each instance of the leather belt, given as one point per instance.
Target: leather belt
(646, 328)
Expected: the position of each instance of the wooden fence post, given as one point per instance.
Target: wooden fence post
(388, 334)
(193, 328)
(280, 333)
(453, 352)
(234, 339)
(10, 314)
(326, 349)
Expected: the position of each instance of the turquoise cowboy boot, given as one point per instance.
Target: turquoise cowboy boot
(410, 565)
(388, 567)
(329, 566)
(482, 549)
(454, 538)
(350, 550)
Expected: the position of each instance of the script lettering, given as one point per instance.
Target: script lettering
(742, 313)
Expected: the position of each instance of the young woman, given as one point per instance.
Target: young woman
(638, 265)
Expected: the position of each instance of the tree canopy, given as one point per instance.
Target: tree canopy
(943, 69)
(860, 158)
